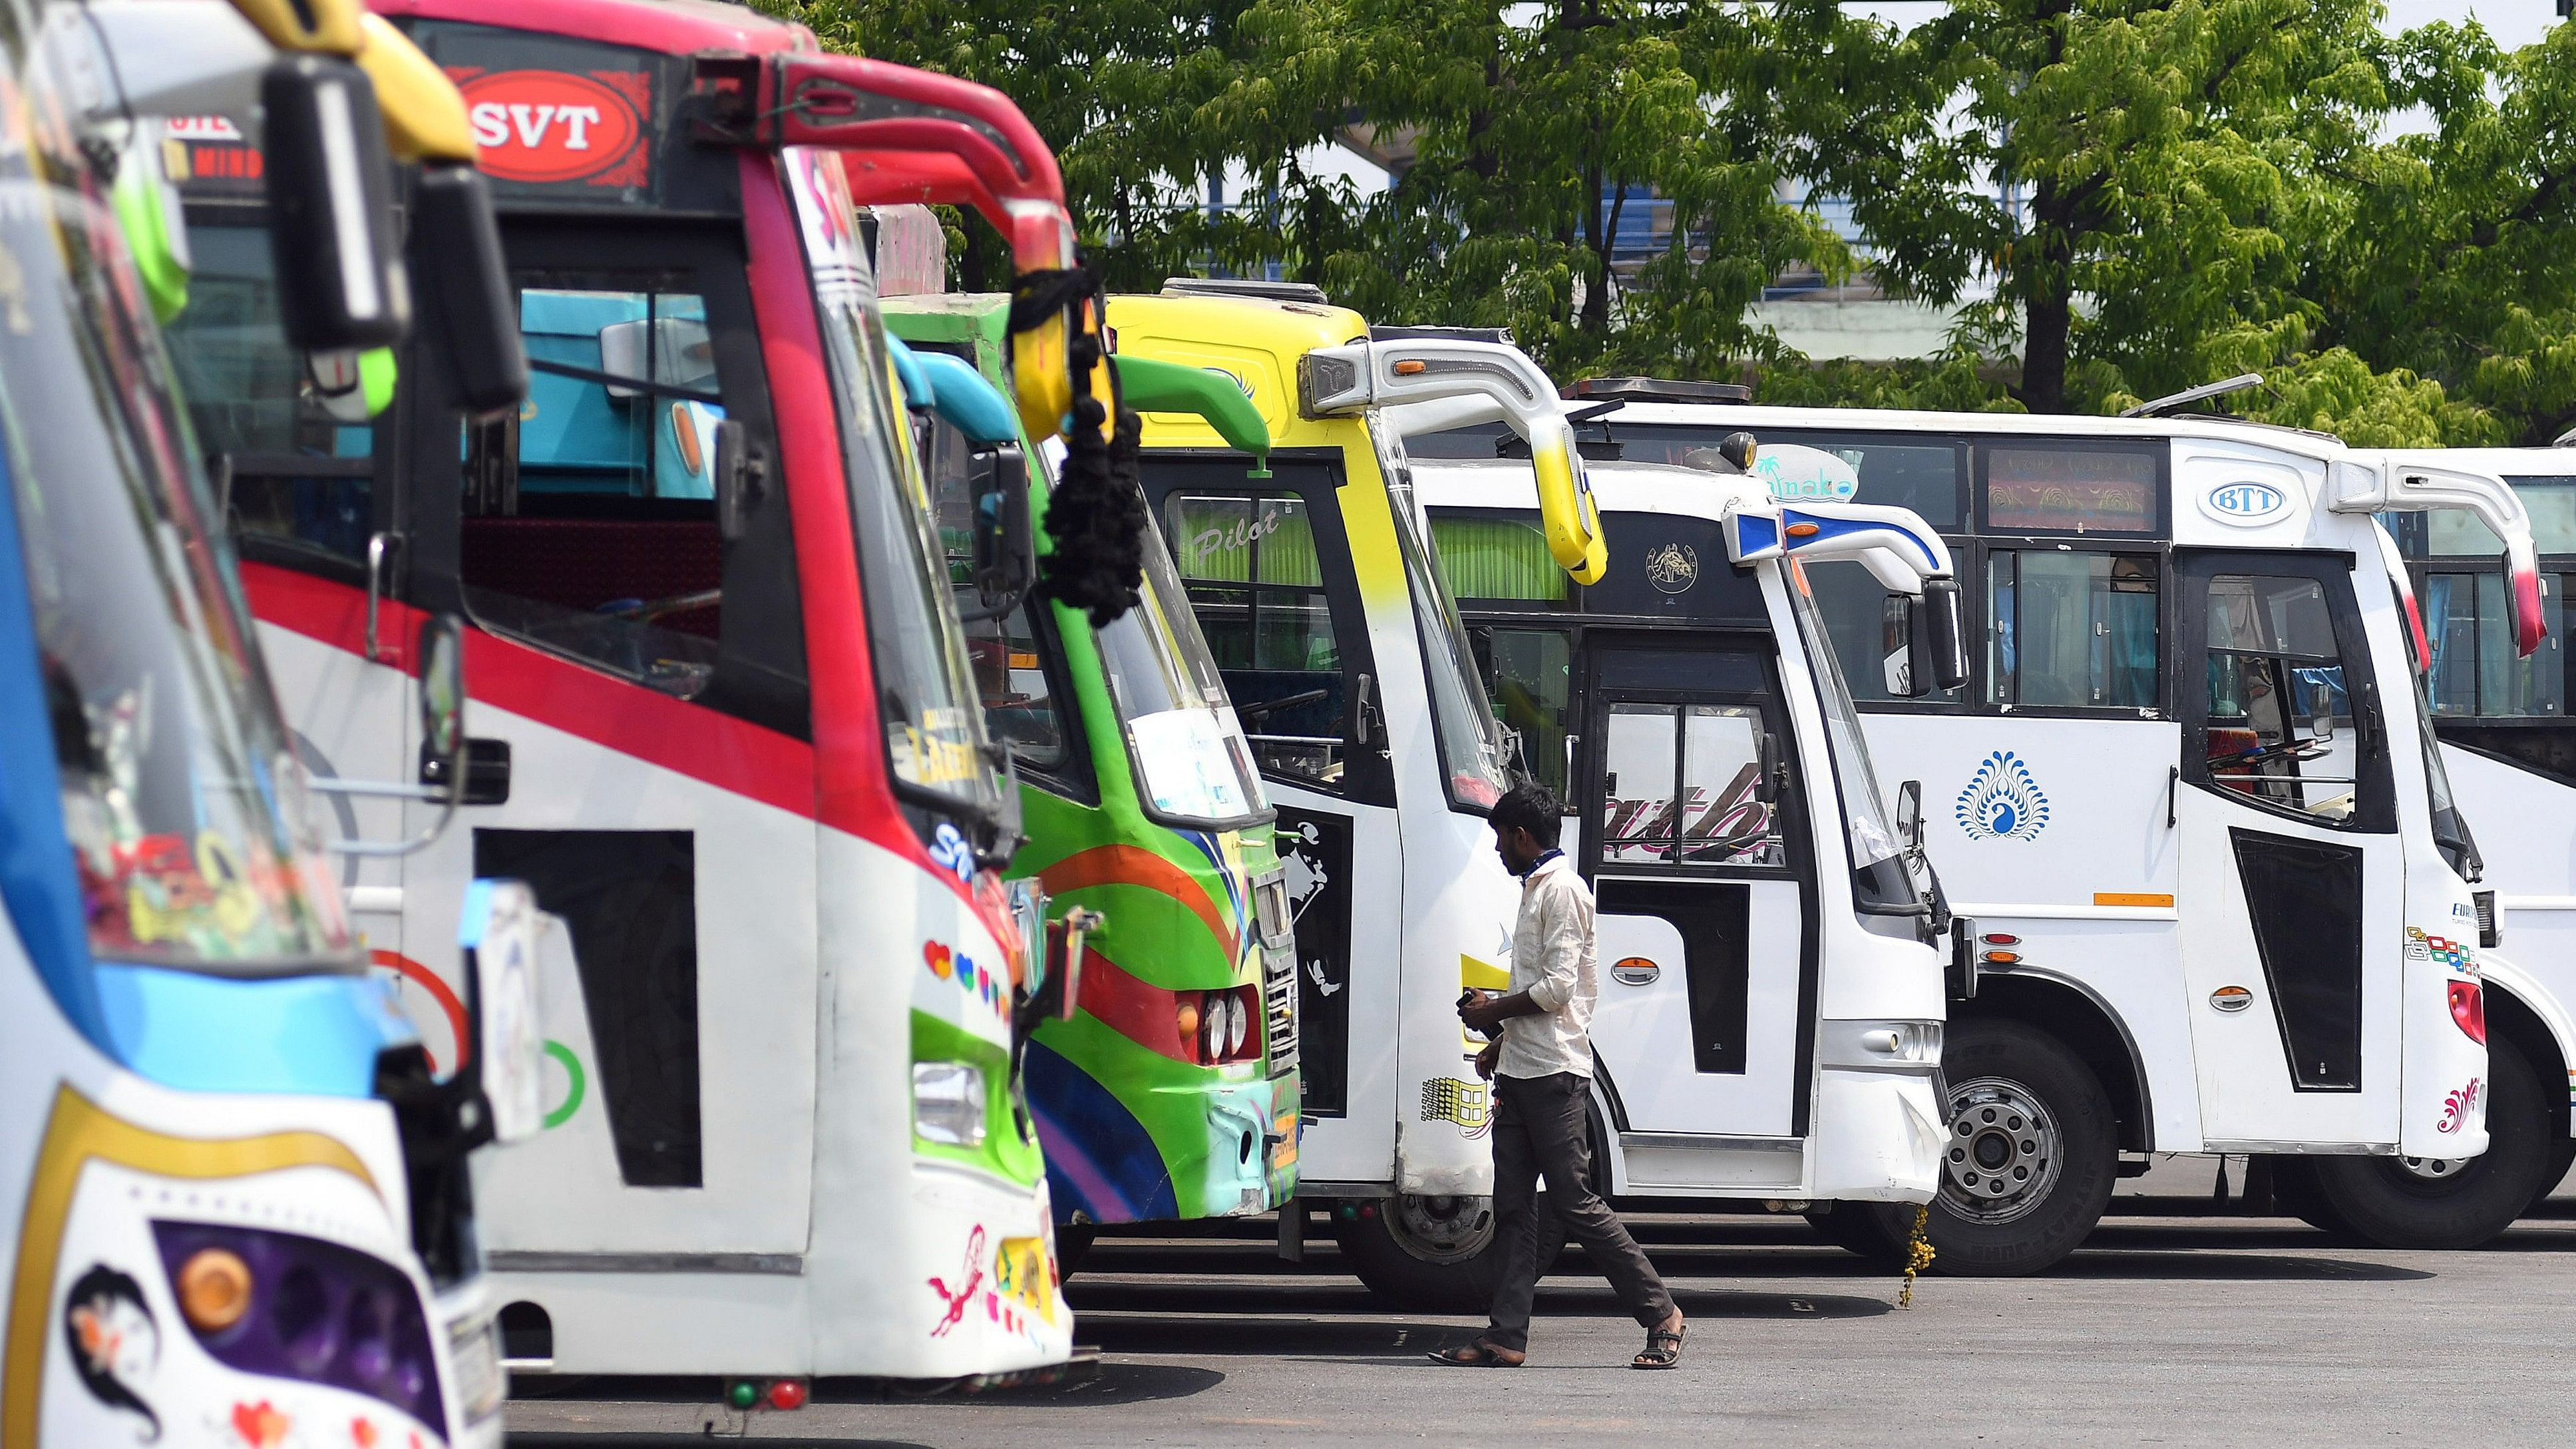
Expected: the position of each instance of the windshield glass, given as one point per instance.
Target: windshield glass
(1189, 754)
(185, 809)
(925, 691)
(1881, 884)
(1471, 743)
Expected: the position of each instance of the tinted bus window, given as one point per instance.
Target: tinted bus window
(2475, 670)
(2049, 487)
(1926, 474)
(2071, 629)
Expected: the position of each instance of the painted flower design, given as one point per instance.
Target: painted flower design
(2002, 801)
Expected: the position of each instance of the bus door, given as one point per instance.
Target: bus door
(1705, 891)
(2293, 873)
(1269, 573)
(647, 678)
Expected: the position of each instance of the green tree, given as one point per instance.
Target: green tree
(2160, 162)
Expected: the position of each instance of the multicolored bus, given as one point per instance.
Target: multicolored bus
(726, 723)
(1173, 1092)
(231, 1183)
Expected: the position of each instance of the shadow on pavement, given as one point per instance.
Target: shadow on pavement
(550, 1439)
(2227, 1267)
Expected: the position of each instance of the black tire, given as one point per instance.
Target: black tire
(2562, 1156)
(2022, 1227)
(2396, 1206)
(2297, 1193)
(1423, 1254)
(1863, 1228)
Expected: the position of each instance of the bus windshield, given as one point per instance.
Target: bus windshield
(1191, 761)
(1881, 885)
(185, 808)
(925, 689)
(1471, 742)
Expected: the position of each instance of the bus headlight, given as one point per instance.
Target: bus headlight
(948, 1103)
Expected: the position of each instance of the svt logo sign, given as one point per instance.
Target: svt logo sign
(554, 126)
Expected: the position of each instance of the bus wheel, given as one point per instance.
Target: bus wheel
(2562, 1156)
(2297, 1193)
(1863, 1228)
(1429, 1254)
(2032, 1153)
(2421, 1202)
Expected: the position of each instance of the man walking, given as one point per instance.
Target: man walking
(1542, 1070)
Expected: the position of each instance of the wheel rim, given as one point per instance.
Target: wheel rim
(2005, 1151)
(1440, 1229)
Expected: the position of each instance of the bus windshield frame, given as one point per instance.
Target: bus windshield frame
(1882, 883)
(1159, 669)
(937, 751)
(1474, 760)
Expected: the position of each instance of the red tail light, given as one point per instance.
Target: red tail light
(2469, 1009)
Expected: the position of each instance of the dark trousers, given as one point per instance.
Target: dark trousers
(1539, 1127)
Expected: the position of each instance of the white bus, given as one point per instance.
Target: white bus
(1340, 644)
(2187, 798)
(2511, 757)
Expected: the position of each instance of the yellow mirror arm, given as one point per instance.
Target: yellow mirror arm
(424, 115)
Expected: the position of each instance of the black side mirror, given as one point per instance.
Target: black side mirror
(465, 290)
(1364, 710)
(1909, 814)
(1946, 634)
(1005, 542)
(340, 280)
(740, 478)
(1766, 766)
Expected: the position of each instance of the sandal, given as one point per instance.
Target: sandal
(1663, 1348)
(1479, 1354)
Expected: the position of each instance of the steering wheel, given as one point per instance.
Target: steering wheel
(648, 610)
(2289, 749)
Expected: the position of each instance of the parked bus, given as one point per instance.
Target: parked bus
(2188, 800)
(2502, 721)
(727, 727)
(1771, 1017)
(230, 1183)
(1337, 639)
(1172, 1093)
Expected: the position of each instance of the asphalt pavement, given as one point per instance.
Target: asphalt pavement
(2168, 1328)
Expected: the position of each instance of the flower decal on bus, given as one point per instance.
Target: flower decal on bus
(2002, 801)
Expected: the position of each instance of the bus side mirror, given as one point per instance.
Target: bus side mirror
(1909, 814)
(465, 290)
(1065, 939)
(1944, 636)
(739, 479)
(1905, 659)
(1005, 545)
(1766, 765)
(340, 280)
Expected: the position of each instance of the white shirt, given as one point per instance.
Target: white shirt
(1552, 960)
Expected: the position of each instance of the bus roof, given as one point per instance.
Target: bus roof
(1262, 341)
(1755, 418)
(673, 27)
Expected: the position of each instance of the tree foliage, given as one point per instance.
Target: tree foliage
(2116, 198)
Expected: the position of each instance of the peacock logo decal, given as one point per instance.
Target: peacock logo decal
(2002, 801)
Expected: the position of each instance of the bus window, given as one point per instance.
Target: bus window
(1531, 674)
(1926, 474)
(1679, 787)
(2071, 629)
(2475, 670)
(298, 455)
(2456, 533)
(2064, 488)
(2281, 728)
(1499, 559)
(1253, 574)
(591, 526)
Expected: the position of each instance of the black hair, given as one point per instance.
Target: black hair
(1530, 806)
(103, 1282)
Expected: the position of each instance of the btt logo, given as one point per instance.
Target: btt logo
(2244, 502)
(553, 126)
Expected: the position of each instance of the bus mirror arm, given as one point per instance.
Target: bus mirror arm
(446, 752)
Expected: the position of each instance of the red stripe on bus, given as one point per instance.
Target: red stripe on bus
(1135, 865)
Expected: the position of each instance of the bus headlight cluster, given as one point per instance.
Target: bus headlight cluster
(1218, 1025)
(948, 1103)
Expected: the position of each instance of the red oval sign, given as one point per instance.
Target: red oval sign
(549, 125)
